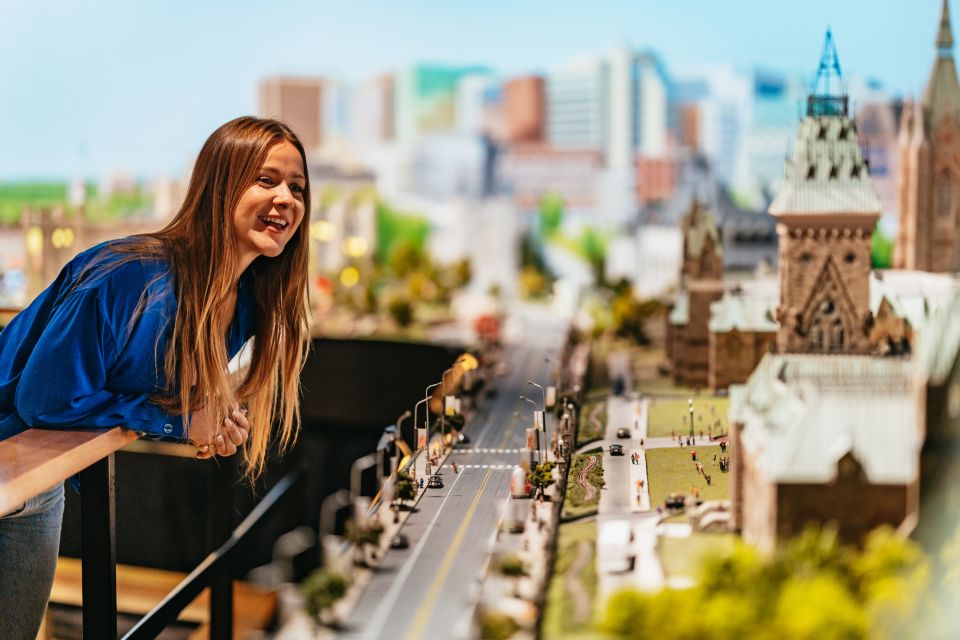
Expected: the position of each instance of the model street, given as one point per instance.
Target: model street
(429, 589)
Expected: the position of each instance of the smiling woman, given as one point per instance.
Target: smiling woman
(272, 209)
(138, 332)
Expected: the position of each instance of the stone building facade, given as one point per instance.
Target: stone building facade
(928, 238)
(823, 440)
(826, 212)
(742, 330)
(701, 284)
(821, 432)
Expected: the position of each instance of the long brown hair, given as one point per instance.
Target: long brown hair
(201, 246)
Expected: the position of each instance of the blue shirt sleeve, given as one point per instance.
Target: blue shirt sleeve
(65, 381)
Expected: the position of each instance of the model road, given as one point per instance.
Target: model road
(429, 590)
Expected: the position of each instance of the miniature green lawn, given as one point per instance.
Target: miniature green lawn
(670, 415)
(591, 430)
(558, 619)
(575, 503)
(672, 471)
(685, 556)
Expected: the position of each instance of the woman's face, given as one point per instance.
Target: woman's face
(272, 208)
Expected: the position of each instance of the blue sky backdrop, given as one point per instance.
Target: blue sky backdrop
(88, 87)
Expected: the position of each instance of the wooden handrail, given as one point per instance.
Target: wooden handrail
(37, 459)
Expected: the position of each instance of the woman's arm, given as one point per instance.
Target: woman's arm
(64, 381)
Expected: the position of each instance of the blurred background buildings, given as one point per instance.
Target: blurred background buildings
(620, 140)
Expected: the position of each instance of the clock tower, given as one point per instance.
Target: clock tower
(826, 212)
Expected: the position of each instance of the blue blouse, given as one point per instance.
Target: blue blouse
(73, 359)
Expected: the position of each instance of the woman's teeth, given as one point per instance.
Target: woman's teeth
(276, 223)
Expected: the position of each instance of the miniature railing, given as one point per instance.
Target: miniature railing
(216, 572)
(37, 459)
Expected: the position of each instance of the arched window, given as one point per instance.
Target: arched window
(815, 338)
(836, 336)
(944, 195)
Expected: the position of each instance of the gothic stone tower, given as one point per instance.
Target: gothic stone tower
(702, 252)
(929, 185)
(826, 212)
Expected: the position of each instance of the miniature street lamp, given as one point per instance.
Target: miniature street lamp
(413, 440)
(328, 511)
(426, 396)
(536, 410)
(543, 410)
(690, 404)
(361, 463)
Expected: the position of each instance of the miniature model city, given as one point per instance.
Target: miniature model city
(755, 451)
(735, 481)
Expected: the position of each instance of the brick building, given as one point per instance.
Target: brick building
(826, 212)
(742, 330)
(701, 283)
(929, 187)
(524, 110)
(819, 439)
(297, 101)
(822, 432)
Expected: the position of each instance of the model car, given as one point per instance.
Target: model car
(623, 432)
(675, 501)
(435, 482)
(616, 449)
(399, 541)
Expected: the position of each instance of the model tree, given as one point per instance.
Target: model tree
(321, 590)
(404, 489)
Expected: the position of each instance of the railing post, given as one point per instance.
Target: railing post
(98, 550)
(219, 527)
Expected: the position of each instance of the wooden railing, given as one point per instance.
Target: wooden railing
(36, 460)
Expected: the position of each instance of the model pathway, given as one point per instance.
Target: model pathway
(594, 419)
(589, 490)
(581, 602)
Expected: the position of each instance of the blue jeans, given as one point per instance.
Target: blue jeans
(29, 541)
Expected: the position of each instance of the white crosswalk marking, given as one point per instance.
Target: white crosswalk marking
(509, 467)
(494, 451)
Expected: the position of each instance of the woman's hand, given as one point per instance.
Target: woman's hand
(222, 442)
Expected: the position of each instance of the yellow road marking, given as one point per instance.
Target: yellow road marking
(423, 614)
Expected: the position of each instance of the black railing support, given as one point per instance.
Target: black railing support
(216, 566)
(98, 550)
(220, 520)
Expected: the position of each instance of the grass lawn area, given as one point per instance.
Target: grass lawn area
(575, 502)
(586, 431)
(685, 556)
(668, 415)
(662, 386)
(672, 471)
(558, 620)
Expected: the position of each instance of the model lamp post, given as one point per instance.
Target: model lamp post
(536, 424)
(553, 391)
(358, 466)
(420, 439)
(328, 542)
(426, 396)
(543, 410)
(464, 362)
(406, 414)
(690, 405)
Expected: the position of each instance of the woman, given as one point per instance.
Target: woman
(138, 332)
